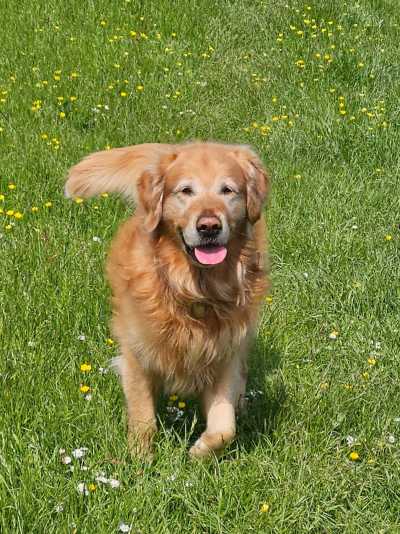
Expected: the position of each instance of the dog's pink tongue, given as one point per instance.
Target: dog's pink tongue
(211, 255)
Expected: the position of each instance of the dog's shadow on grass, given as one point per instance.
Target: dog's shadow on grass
(265, 396)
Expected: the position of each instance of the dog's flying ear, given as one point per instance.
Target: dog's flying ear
(257, 180)
(150, 191)
(114, 171)
(134, 171)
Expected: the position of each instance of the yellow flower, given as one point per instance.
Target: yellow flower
(139, 88)
(324, 386)
(86, 367)
(173, 398)
(11, 186)
(84, 389)
(354, 456)
(104, 195)
(73, 98)
(34, 209)
(10, 212)
(61, 115)
(8, 227)
(268, 300)
(300, 63)
(79, 200)
(181, 404)
(92, 487)
(48, 204)
(123, 94)
(365, 375)
(371, 361)
(334, 334)
(109, 341)
(264, 508)
(2, 197)
(18, 215)
(44, 136)
(388, 237)
(103, 23)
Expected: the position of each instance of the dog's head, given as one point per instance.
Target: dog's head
(202, 195)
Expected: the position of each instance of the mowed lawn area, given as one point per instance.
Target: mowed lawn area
(314, 87)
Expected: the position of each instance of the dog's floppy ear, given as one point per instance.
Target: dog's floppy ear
(257, 180)
(150, 191)
(114, 171)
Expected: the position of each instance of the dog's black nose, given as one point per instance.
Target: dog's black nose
(209, 226)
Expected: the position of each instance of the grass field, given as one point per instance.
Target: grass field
(314, 88)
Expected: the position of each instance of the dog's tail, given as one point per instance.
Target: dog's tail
(117, 170)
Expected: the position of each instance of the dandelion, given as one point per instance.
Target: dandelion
(92, 487)
(139, 88)
(371, 361)
(79, 200)
(173, 398)
(85, 367)
(123, 94)
(264, 508)
(34, 209)
(48, 204)
(84, 389)
(333, 335)
(354, 456)
(269, 299)
(181, 404)
(12, 186)
(109, 341)
(2, 197)
(388, 237)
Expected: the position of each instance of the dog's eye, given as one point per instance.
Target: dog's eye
(226, 190)
(187, 190)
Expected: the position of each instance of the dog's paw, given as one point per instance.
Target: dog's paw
(211, 444)
(140, 443)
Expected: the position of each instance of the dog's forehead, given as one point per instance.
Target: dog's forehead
(206, 163)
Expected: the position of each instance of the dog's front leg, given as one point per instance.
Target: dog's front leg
(140, 388)
(219, 403)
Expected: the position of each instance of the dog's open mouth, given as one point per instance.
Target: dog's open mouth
(206, 254)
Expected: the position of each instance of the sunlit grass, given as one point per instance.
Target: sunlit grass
(314, 88)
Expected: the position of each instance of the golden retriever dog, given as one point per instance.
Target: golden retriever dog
(187, 273)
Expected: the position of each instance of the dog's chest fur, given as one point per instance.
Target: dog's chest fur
(180, 324)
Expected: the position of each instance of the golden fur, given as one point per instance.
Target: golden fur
(182, 326)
